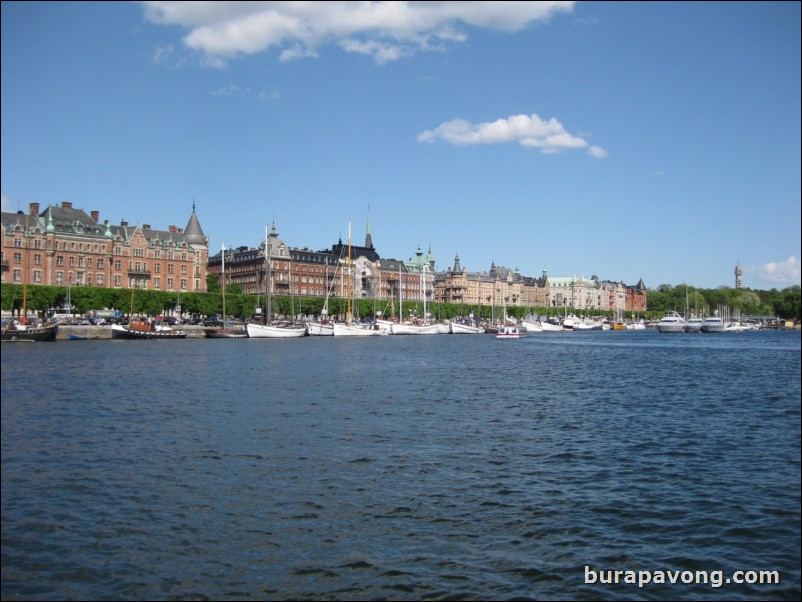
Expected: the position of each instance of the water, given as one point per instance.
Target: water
(400, 468)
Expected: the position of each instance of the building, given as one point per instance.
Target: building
(345, 270)
(65, 246)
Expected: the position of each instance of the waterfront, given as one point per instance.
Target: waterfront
(399, 468)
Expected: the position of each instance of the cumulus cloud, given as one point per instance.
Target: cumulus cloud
(387, 31)
(527, 130)
(783, 272)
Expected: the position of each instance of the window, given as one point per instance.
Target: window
(17, 257)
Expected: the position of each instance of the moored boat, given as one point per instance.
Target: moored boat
(25, 333)
(272, 331)
(358, 330)
(671, 322)
(465, 328)
(713, 324)
(509, 332)
(141, 329)
(694, 324)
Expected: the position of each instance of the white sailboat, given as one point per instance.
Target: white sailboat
(268, 330)
(351, 328)
(323, 327)
(425, 327)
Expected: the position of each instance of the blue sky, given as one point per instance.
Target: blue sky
(627, 140)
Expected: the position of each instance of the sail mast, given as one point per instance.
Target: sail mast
(350, 277)
(223, 272)
(269, 288)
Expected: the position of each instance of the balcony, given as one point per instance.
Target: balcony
(138, 273)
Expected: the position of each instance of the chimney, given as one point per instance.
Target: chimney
(146, 226)
(124, 224)
(67, 204)
(172, 229)
(34, 209)
(95, 215)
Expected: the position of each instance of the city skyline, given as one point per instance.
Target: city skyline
(633, 141)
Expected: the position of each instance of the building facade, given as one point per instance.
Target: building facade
(65, 246)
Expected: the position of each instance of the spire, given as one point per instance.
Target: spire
(368, 237)
(193, 232)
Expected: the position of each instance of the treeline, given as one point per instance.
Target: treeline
(783, 304)
(43, 300)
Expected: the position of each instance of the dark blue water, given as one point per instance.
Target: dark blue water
(400, 468)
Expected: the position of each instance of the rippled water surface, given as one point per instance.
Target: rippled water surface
(400, 468)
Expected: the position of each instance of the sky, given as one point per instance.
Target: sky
(626, 140)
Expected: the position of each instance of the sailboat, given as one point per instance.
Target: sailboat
(224, 332)
(323, 326)
(423, 328)
(268, 330)
(350, 328)
(20, 330)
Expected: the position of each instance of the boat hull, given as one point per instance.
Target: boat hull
(226, 334)
(412, 329)
(30, 335)
(457, 328)
(319, 329)
(263, 331)
(353, 330)
(121, 332)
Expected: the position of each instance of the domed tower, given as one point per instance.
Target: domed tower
(739, 272)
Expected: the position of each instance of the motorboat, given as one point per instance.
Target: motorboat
(713, 324)
(671, 322)
(509, 332)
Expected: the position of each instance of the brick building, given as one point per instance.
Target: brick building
(64, 246)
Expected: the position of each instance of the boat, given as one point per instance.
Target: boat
(671, 322)
(405, 328)
(509, 332)
(19, 332)
(694, 324)
(352, 328)
(226, 331)
(275, 331)
(269, 330)
(323, 326)
(320, 328)
(460, 327)
(143, 329)
(713, 324)
(342, 329)
(139, 328)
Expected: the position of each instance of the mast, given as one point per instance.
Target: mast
(350, 277)
(269, 285)
(223, 272)
(400, 296)
(25, 276)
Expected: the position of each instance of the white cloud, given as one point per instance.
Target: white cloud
(783, 272)
(528, 130)
(4, 206)
(385, 30)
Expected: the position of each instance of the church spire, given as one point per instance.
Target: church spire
(368, 237)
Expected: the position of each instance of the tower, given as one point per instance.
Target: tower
(739, 271)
